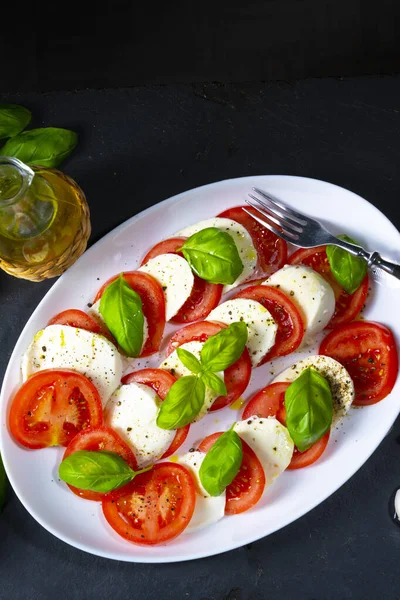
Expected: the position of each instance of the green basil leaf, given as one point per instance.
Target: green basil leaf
(221, 463)
(13, 119)
(213, 256)
(347, 269)
(121, 309)
(189, 360)
(97, 471)
(182, 403)
(224, 348)
(308, 403)
(214, 382)
(45, 147)
(3, 484)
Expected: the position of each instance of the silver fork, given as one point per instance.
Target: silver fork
(301, 230)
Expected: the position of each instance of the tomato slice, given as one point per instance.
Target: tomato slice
(269, 402)
(155, 507)
(286, 315)
(99, 438)
(160, 381)
(204, 297)
(368, 351)
(348, 306)
(52, 406)
(236, 377)
(247, 487)
(271, 249)
(153, 303)
(79, 319)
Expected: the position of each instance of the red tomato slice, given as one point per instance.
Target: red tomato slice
(271, 250)
(204, 297)
(286, 315)
(248, 486)
(100, 438)
(155, 507)
(368, 351)
(153, 303)
(79, 319)
(52, 406)
(160, 381)
(268, 402)
(236, 377)
(348, 306)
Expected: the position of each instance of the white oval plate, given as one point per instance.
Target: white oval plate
(33, 474)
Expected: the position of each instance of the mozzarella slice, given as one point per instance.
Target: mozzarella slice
(339, 380)
(63, 347)
(270, 441)
(132, 412)
(309, 291)
(240, 236)
(208, 509)
(178, 369)
(175, 277)
(261, 326)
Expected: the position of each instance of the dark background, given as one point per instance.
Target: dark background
(223, 110)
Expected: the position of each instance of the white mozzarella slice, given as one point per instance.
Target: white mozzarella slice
(339, 380)
(260, 323)
(178, 369)
(270, 441)
(63, 347)
(240, 236)
(310, 292)
(132, 412)
(175, 277)
(208, 509)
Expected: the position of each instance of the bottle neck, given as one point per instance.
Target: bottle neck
(15, 180)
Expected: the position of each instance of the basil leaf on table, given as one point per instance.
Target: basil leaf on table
(308, 403)
(221, 463)
(182, 403)
(212, 255)
(189, 360)
(97, 471)
(224, 348)
(13, 119)
(215, 383)
(347, 269)
(3, 484)
(46, 147)
(121, 309)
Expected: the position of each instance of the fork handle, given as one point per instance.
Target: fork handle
(376, 260)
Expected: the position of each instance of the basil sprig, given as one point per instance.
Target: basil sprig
(186, 396)
(121, 309)
(13, 119)
(46, 147)
(212, 255)
(3, 484)
(97, 471)
(347, 269)
(308, 403)
(221, 463)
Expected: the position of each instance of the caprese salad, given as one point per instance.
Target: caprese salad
(244, 300)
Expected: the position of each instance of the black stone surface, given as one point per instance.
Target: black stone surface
(136, 148)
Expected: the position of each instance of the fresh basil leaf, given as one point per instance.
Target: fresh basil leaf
(182, 403)
(3, 484)
(224, 348)
(13, 119)
(97, 471)
(347, 269)
(45, 147)
(214, 382)
(213, 256)
(221, 463)
(308, 403)
(189, 360)
(121, 309)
